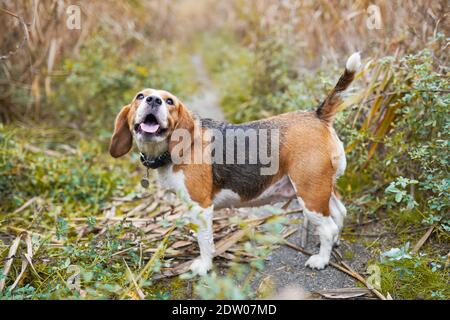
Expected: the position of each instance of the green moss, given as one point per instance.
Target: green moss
(416, 278)
(171, 288)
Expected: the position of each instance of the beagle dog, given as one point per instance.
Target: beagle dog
(310, 157)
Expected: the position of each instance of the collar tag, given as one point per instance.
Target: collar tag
(145, 182)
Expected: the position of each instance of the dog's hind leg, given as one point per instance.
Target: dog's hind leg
(338, 213)
(314, 197)
(202, 218)
(328, 234)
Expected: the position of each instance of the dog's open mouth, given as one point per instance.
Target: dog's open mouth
(149, 126)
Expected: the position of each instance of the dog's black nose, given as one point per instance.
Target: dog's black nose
(153, 101)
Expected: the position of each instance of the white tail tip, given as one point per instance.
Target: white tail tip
(353, 62)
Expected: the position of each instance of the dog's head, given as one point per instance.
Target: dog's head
(150, 119)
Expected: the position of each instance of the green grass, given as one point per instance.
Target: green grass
(79, 176)
(76, 182)
(417, 278)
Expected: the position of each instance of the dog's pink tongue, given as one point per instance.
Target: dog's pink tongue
(149, 128)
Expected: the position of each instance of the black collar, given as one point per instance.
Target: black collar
(155, 163)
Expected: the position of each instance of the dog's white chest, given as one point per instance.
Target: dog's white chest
(168, 179)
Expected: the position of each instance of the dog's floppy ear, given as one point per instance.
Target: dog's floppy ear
(185, 119)
(122, 140)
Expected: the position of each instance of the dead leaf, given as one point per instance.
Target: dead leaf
(26, 260)
(344, 293)
(9, 260)
(181, 244)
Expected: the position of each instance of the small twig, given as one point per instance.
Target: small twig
(124, 250)
(26, 205)
(138, 290)
(422, 240)
(289, 232)
(12, 14)
(364, 223)
(47, 152)
(286, 205)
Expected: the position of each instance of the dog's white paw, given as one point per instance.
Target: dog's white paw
(201, 266)
(317, 262)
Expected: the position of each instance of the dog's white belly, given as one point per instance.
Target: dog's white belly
(279, 191)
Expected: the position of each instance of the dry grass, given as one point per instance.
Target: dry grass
(37, 38)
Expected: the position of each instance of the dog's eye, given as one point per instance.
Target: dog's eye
(169, 101)
(140, 96)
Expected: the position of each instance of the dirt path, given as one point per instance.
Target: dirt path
(206, 103)
(285, 267)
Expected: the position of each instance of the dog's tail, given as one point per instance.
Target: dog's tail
(327, 109)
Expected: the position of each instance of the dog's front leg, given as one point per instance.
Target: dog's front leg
(201, 218)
